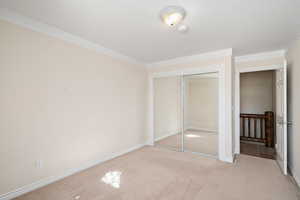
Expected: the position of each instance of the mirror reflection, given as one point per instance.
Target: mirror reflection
(201, 113)
(167, 112)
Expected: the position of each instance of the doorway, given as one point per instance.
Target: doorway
(186, 113)
(280, 114)
(257, 113)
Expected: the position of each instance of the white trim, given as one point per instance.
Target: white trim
(202, 70)
(260, 56)
(151, 111)
(168, 134)
(282, 159)
(35, 25)
(182, 107)
(297, 179)
(238, 71)
(259, 68)
(224, 136)
(228, 159)
(199, 57)
(285, 114)
(237, 113)
(294, 176)
(41, 183)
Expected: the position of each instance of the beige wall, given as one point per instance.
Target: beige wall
(202, 103)
(64, 105)
(256, 92)
(294, 109)
(167, 112)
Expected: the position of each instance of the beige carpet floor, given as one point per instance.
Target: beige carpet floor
(157, 174)
(194, 141)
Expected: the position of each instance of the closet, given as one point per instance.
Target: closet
(186, 114)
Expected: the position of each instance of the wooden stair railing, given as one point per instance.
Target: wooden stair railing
(258, 128)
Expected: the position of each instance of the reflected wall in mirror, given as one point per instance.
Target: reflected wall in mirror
(167, 112)
(201, 113)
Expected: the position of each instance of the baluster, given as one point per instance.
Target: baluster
(264, 133)
(255, 136)
(249, 126)
(261, 129)
(269, 129)
(243, 126)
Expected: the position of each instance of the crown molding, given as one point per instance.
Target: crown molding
(35, 25)
(261, 56)
(199, 57)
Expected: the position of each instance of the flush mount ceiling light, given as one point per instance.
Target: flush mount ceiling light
(172, 15)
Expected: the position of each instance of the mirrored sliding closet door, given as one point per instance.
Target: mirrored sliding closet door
(167, 112)
(201, 113)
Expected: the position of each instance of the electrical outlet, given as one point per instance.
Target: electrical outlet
(39, 164)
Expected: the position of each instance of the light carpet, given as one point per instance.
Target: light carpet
(158, 174)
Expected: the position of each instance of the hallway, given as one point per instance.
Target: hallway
(258, 150)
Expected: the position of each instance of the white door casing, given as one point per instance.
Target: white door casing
(281, 118)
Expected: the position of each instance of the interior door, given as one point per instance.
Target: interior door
(281, 118)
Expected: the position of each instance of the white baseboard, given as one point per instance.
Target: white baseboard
(295, 177)
(228, 159)
(168, 134)
(41, 183)
(297, 180)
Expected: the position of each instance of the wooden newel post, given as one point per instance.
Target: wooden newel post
(269, 128)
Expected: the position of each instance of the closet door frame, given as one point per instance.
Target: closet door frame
(223, 141)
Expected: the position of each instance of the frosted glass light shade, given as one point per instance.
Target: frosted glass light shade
(172, 15)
